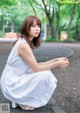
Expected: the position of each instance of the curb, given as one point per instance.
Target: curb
(55, 107)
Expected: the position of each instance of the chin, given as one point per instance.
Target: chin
(36, 36)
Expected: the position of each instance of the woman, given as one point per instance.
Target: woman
(24, 81)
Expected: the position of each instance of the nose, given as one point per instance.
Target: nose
(37, 27)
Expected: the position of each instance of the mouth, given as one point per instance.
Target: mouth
(37, 33)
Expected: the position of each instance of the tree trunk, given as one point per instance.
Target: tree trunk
(70, 22)
(51, 25)
(77, 29)
(45, 27)
(57, 34)
(3, 25)
(12, 26)
(32, 7)
(52, 30)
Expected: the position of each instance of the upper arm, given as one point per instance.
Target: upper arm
(25, 52)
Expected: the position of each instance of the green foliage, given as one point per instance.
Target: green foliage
(52, 40)
(18, 10)
(4, 4)
(1, 33)
(69, 40)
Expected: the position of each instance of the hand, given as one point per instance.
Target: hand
(63, 62)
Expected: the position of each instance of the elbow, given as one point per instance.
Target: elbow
(36, 68)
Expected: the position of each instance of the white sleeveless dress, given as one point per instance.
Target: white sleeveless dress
(21, 85)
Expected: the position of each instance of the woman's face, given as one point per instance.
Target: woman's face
(34, 30)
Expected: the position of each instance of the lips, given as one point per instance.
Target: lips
(37, 33)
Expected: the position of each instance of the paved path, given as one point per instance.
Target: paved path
(67, 88)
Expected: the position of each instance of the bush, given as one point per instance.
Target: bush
(1, 33)
(52, 40)
(69, 40)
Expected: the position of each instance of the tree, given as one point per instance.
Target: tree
(50, 8)
(77, 26)
(3, 8)
(57, 34)
(69, 14)
(71, 19)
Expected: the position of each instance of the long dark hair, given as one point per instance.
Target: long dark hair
(25, 28)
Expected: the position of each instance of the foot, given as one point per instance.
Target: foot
(25, 107)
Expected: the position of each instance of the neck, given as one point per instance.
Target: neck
(31, 38)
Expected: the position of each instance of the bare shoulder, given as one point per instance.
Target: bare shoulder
(23, 48)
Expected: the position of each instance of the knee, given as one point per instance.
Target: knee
(44, 75)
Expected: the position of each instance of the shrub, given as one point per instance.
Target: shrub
(69, 40)
(52, 40)
(1, 33)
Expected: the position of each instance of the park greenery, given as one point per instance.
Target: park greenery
(56, 16)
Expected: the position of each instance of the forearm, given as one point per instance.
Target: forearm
(48, 66)
(48, 62)
(59, 62)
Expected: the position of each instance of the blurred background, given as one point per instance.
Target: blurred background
(60, 18)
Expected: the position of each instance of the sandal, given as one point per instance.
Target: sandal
(25, 107)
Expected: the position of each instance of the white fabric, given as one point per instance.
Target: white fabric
(21, 85)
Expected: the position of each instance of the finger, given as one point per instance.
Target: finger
(65, 58)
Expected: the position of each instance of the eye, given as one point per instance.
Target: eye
(32, 25)
(38, 25)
